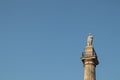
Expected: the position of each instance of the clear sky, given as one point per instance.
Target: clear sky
(44, 39)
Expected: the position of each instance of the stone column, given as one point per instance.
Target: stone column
(89, 71)
(89, 59)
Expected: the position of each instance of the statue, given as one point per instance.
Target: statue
(90, 40)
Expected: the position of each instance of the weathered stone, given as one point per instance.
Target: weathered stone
(89, 59)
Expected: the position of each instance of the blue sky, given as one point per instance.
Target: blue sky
(44, 39)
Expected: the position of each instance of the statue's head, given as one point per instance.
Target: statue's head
(90, 34)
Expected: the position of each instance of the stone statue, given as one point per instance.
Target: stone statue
(90, 40)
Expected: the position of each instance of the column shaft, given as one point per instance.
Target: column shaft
(89, 72)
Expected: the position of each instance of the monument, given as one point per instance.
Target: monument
(89, 59)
